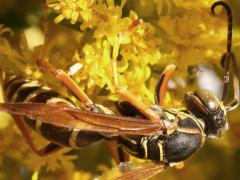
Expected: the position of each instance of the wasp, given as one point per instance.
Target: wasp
(163, 136)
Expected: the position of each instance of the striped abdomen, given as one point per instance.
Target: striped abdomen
(18, 89)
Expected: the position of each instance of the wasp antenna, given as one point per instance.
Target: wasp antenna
(229, 14)
(225, 61)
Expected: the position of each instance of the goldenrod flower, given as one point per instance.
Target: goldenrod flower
(72, 10)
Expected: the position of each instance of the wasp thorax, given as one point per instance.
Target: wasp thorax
(204, 104)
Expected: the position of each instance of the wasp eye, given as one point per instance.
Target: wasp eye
(209, 99)
(219, 119)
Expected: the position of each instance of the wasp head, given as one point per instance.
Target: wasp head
(204, 104)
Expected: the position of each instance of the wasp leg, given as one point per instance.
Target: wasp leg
(117, 153)
(50, 148)
(162, 84)
(123, 157)
(68, 82)
(236, 99)
(45, 28)
(124, 94)
(45, 15)
(113, 152)
(126, 109)
(225, 61)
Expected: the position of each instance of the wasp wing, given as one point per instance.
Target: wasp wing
(75, 118)
(133, 171)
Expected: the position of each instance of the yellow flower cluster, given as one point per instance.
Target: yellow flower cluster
(193, 5)
(188, 41)
(195, 36)
(13, 145)
(72, 10)
(127, 39)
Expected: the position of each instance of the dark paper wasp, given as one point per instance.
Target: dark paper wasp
(164, 136)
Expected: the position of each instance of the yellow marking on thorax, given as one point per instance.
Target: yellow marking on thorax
(73, 138)
(160, 146)
(193, 131)
(105, 109)
(56, 100)
(183, 115)
(36, 92)
(203, 139)
(171, 121)
(189, 131)
(129, 150)
(25, 85)
(38, 126)
(223, 108)
(129, 140)
(144, 143)
(170, 115)
(9, 88)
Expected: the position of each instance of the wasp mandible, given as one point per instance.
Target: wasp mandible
(164, 136)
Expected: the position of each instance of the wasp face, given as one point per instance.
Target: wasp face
(204, 104)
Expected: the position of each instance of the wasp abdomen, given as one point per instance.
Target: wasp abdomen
(179, 146)
(18, 89)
